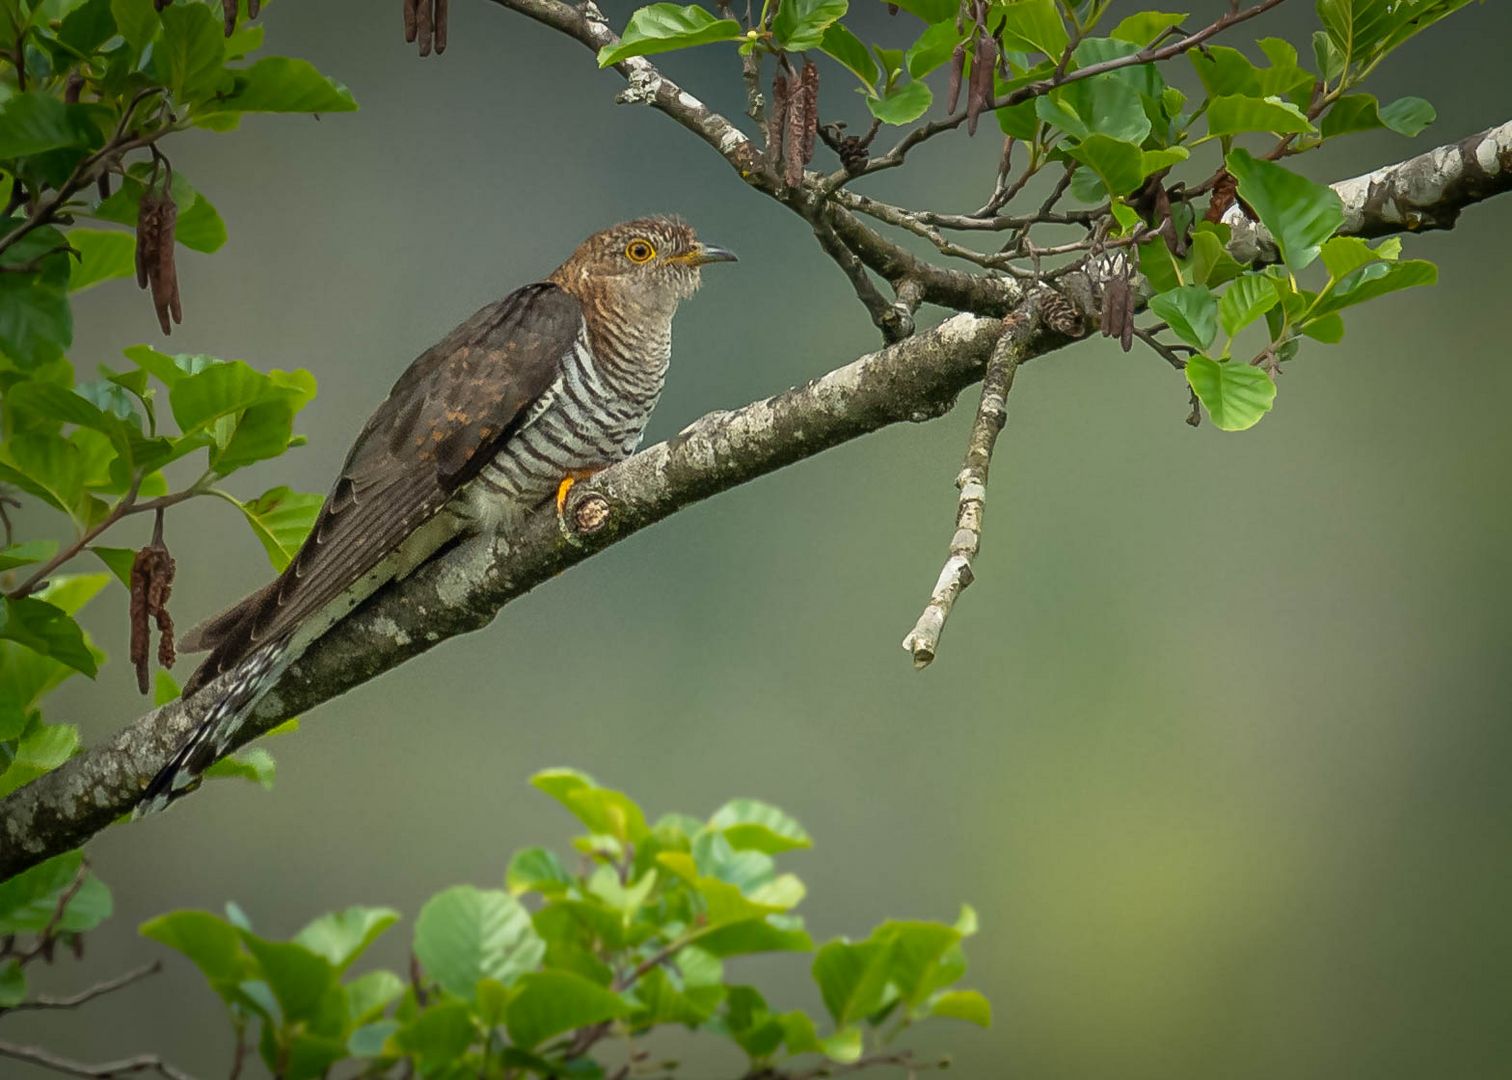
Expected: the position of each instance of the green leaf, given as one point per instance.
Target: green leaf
(800, 24)
(299, 978)
(662, 27)
(370, 993)
(1192, 311)
(601, 809)
(1143, 27)
(48, 467)
(1236, 114)
(551, 1002)
(752, 824)
(283, 84)
(211, 943)
(48, 630)
(852, 978)
(1362, 112)
(933, 48)
(36, 324)
(12, 984)
(138, 22)
(254, 764)
(1408, 116)
(342, 936)
(1300, 214)
(1328, 329)
(1248, 298)
(118, 560)
(29, 901)
(536, 870)
(844, 46)
(188, 56)
(754, 935)
(968, 1005)
(1118, 164)
(35, 122)
(33, 551)
(40, 751)
(661, 1002)
(903, 104)
(1376, 280)
(281, 519)
(1034, 26)
(465, 934)
(1236, 395)
(104, 254)
(439, 1036)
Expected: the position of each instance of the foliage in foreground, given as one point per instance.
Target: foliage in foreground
(561, 964)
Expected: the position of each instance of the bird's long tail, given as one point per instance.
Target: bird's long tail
(253, 677)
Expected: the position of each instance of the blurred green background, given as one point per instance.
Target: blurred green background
(1216, 745)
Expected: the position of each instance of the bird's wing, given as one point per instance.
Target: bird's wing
(445, 418)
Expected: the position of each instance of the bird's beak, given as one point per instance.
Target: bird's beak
(709, 253)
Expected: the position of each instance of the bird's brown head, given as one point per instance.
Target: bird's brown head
(645, 266)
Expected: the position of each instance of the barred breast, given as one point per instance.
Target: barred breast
(593, 415)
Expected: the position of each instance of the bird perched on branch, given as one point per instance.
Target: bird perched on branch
(544, 387)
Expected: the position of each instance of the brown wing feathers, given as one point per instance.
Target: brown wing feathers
(445, 417)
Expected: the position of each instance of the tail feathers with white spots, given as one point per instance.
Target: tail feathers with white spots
(250, 680)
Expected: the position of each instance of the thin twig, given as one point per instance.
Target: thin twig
(99, 989)
(105, 1071)
(923, 640)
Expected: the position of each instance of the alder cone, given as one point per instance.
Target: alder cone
(1060, 314)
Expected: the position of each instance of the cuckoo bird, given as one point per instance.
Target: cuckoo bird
(541, 388)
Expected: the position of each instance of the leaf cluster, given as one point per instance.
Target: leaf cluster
(638, 931)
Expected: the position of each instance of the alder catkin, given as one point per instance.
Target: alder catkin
(980, 94)
(442, 10)
(776, 121)
(802, 124)
(228, 10)
(411, 15)
(957, 66)
(423, 26)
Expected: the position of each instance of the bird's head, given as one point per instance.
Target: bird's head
(649, 264)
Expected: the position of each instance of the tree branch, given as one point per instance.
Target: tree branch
(463, 589)
(992, 413)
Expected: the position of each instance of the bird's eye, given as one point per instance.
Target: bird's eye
(639, 251)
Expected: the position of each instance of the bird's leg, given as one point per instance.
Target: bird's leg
(561, 500)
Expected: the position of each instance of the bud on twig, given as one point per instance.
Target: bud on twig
(72, 88)
(151, 585)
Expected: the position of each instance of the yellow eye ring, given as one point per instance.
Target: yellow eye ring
(640, 251)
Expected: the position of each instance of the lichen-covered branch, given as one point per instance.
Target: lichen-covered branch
(1420, 194)
(916, 379)
(992, 413)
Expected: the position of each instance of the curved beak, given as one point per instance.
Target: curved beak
(709, 253)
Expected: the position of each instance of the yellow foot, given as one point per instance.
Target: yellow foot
(561, 500)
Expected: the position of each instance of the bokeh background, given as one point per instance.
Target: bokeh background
(1217, 744)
